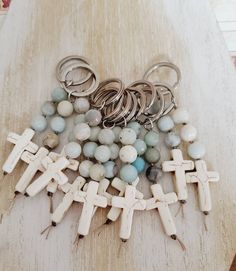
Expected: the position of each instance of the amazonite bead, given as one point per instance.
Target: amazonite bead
(188, 133)
(72, 150)
(139, 164)
(128, 173)
(57, 124)
(128, 154)
(152, 155)
(84, 168)
(135, 126)
(114, 148)
(89, 149)
(151, 138)
(172, 140)
(106, 136)
(97, 172)
(110, 169)
(81, 105)
(102, 153)
(165, 124)
(116, 130)
(58, 94)
(82, 131)
(94, 133)
(80, 118)
(196, 150)
(65, 108)
(39, 123)
(180, 116)
(127, 136)
(48, 109)
(93, 117)
(140, 146)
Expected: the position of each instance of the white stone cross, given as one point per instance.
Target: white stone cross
(34, 165)
(22, 143)
(161, 202)
(202, 177)
(68, 199)
(90, 199)
(179, 167)
(120, 185)
(53, 170)
(128, 203)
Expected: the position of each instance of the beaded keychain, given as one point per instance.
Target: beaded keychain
(113, 141)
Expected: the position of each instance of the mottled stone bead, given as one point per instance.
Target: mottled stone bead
(58, 94)
(39, 123)
(72, 150)
(115, 149)
(65, 108)
(188, 133)
(152, 155)
(57, 124)
(196, 150)
(153, 173)
(180, 116)
(80, 118)
(89, 149)
(135, 126)
(81, 105)
(151, 138)
(128, 154)
(97, 172)
(82, 131)
(106, 136)
(172, 140)
(116, 130)
(165, 124)
(51, 140)
(111, 169)
(84, 168)
(140, 146)
(128, 173)
(94, 133)
(139, 164)
(102, 153)
(93, 117)
(48, 109)
(127, 136)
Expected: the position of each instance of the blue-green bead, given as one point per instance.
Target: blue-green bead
(110, 169)
(152, 155)
(128, 173)
(58, 124)
(39, 123)
(135, 126)
(48, 109)
(59, 94)
(139, 164)
(140, 146)
(89, 149)
(80, 118)
(151, 138)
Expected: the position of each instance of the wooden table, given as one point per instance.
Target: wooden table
(121, 38)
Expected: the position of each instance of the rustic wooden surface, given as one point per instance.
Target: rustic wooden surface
(122, 38)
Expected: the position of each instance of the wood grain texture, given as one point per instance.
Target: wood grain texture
(122, 38)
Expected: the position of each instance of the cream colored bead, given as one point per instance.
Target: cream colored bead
(127, 136)
(180, 116)
(81, 105)
(51, 140)
(84, 168)
(82, 131)
(128, 154)
(188, 133)
(97, 172)
(65, 108)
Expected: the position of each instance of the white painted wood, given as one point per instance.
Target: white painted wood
(53, 171)
(90, 199)
(161, 201)
(74, 164)
(202, 177)
(179, 166)
(22, 143)
(34, 165)
(128, 204)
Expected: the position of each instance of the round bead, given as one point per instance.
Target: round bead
(111, 169)
(93, 117)
(89, 149)
(127, 136)
(106, 136)
(65, 108)
(165, 124)
(188, 133)
(114, 151)
(79, 119)
(51, 140)
(84, 168)
(97, 172)
(135, 126)
(48, 109)
(140, 146)
(94, 133)
(82, 131)
(39, 123)
(172, 140)
(58, 124)
(180, 116)
(116, 130)
(196, 150)
(81, 105)
(58, 95)
(151, 138)
(128, 154)
(153, 173)
(102, 153)
(139, 164)
(128, 173)
(72, 150)
(152, 155)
